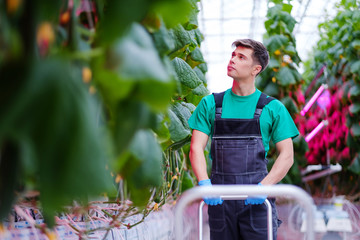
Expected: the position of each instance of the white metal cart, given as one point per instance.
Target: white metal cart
(240, 191)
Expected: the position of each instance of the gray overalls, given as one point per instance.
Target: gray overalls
(238, 157)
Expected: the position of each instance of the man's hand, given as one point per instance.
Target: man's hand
(208, 200)
(256, 200)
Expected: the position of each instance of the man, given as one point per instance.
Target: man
(241, 122)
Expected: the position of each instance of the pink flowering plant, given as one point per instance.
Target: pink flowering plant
(339, 50)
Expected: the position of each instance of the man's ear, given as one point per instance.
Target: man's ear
(257, 68)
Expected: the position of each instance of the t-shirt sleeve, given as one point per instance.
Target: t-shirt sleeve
(201, 119)
(283, 126)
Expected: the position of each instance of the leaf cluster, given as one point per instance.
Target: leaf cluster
(95, 98)
(281, 78)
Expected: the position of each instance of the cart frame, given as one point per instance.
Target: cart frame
(240, 197)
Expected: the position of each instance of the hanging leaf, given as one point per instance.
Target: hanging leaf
(189, 106)
(118, 17)
(289, 21)
(354, 92)
(355, 130)
(141, 166)
(161, 129)
(111, 86)
(262, 79)
(355, 67)
(355, 165)
(354, 108)
(176, 128)
(285, 76)
(290, 104)
(199, 37)
(203, 67)
(138, 60)
(274, 11)
(194, 40)
(270, 26)
(351, 142)
(356, 44)
(183, 113)
(130, 116)
(180, 144)
(273, 63)
(195, 58)
(194, 99)
(185, 74)
(271, 89)
(200, 75)
(187, 181)
(336, 50)
(290, 50)
(181, 38)
(287, 7)
(192, 23)
(147, 151)
(173, 12)
(163, 41)
(275, 42)
(201, 90)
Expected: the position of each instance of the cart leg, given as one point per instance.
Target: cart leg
(201, 206)
(269, 218)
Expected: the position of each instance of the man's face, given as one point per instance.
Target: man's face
(242, 65)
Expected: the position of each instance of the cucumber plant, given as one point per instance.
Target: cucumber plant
(95, 97)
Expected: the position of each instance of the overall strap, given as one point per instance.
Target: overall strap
(262, 102)
(218, 103)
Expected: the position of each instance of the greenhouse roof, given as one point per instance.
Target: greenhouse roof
(223, 21)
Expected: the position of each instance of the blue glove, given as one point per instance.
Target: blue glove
(210, 201)
(256, 199)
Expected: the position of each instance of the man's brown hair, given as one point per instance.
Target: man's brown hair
(260, 53)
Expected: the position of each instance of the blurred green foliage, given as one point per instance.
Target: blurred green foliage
(94, 89)
(281, 78)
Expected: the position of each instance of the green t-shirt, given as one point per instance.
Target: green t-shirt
(276, 123)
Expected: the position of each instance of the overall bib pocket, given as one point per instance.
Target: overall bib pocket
(234, 156)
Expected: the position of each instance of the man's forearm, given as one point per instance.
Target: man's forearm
(279, 170)
(197, 157)
(282, 164)
(198, 164)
